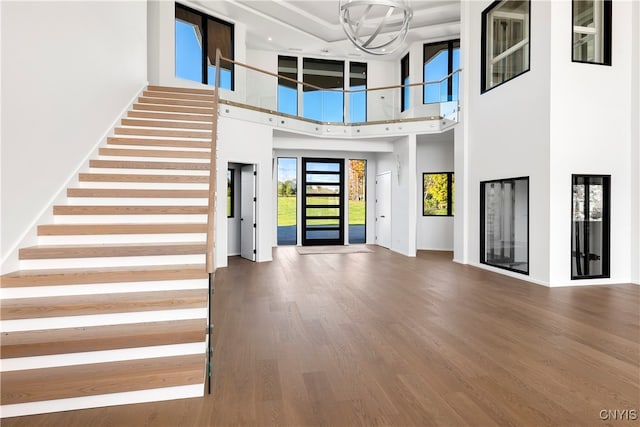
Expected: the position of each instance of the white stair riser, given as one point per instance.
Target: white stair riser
(155, 147)
(137, 201)
(144, 185)
(41, 264)
(102, 319)
(150, 171)
(112, 399)
(102, 288)
(155, 159)
(103, 356)
(121, 238)
(129, 219)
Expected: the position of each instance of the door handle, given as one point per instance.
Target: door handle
(382, 216)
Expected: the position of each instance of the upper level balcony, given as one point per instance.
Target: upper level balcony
(321, 105)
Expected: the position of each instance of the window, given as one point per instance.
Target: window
(505, 42)
(287, 201)
(323, 104)
(590, 226)
(230, 192)
(197, 38)
(288, 90)
(357, 100)
(504, 224)
(404, 80)
(591, 31)
(440, 60)
(437, 194)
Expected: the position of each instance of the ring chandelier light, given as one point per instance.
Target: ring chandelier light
(378, 27)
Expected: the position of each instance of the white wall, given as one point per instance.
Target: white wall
(590, 134)
(507, 133)
(634, 113)
(434, 154)
(248, 143)
(403, 190)
(68, 71)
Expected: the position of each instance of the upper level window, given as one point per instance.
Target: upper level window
(323, 104)
(591, 31)
(197, 38)
(440, 60)
(288, 90)
(404, 80)
(357, 100)
(505, 41)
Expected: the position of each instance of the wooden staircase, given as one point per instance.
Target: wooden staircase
(111, 306)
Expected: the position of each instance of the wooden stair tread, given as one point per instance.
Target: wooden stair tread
(128, 210)
(101, 378)
(111, 250)
(179, 89)
(171, 116)
(78, 276)
(164, 123)
(117, 177)
(154, 142)
(178, 95)
(163, 132)
(98, 338)
(120, 192)
(132, 152)
(172, 108)
(101, 229)
(79, 305)
(170, 101)
(124, 164)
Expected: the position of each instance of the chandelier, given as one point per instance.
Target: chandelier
(377, 27)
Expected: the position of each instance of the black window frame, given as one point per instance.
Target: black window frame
(288, 83)
(366, 83)
(606, 229)
(309, 60)
(450, 182)
(483, 49)
(231, 186)
(451, 44)
(607, 30)
(482, 224)
(205, 42)
(405, 73)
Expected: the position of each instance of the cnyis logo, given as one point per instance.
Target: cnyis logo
(619, 414)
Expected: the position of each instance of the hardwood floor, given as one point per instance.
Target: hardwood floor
(382, 339)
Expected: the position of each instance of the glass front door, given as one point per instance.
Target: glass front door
(322, 204)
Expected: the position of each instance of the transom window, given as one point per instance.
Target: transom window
(505, 41)
(197, 37)
(591, 31)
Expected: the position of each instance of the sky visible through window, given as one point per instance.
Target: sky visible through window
(189, 57)
(437, 68)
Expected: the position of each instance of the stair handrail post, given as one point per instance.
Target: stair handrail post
(213, 170)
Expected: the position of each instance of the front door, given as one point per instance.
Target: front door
(322, 202)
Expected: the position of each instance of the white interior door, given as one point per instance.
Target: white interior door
(248, 212)
(383, 209)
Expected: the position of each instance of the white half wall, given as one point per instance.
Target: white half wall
(68, 71)
(435, 153)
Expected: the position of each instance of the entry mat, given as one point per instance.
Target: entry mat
(347, 249)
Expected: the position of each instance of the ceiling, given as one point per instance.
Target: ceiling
(312, 27)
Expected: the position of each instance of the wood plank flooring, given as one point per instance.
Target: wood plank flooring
(382, 339)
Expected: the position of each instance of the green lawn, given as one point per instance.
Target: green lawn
(287, 211)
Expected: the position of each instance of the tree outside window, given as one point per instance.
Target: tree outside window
(437, 194)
